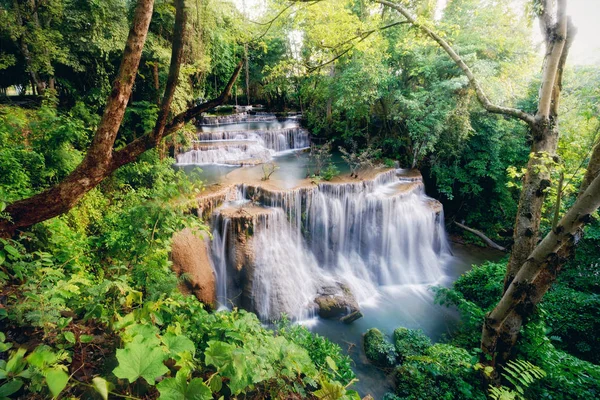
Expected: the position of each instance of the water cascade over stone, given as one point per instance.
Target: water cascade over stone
(276, 251)
(242, 147)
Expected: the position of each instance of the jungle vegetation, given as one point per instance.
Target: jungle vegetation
(95, 95)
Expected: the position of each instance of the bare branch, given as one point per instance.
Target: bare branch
(483, 99)
(482, 235)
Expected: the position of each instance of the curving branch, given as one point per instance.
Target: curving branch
(146, 142)
(101, 159)
(483, 99)
(361, 36)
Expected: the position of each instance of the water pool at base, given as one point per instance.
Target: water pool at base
(279, 244)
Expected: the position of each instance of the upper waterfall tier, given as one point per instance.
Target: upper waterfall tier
(245, 146)
(277, 249)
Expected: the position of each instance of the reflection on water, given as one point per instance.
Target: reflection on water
(410, 306)
(293, 166)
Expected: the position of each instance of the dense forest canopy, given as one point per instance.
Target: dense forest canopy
(97, 97)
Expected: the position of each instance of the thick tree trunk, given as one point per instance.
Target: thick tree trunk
(533, 193)
(536, 275)
(64, 196)
(92, 169)
(532, 267)
(101, 160)
(544, 134)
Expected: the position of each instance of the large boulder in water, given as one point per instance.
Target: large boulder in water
(190, 256)
(337, 302)
(378, 350)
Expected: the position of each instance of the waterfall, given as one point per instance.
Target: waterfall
(243, 147)
(236, 118)
(286, 278)
(363, 235)
(233, 154)
(219, 256)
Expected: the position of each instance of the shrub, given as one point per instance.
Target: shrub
(443, 372)
(378, 350)
(410, 342)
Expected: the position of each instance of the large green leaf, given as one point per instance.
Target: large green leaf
(237, 364)
(178, 389)
(57, 379)
(140, 359)
(10, 387)
(177, 344)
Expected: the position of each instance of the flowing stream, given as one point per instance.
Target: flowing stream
(376, 243)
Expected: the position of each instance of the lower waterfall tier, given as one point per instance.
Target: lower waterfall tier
(276, 251)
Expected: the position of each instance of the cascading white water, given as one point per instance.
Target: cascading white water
(366, 234)
(219, 256)
(286, 277)
(235, 118)
(243, 147)
(371, 238)
(232, 154)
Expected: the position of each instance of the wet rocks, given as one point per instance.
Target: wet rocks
(337, 302)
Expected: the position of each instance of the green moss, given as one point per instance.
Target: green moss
(378, 350)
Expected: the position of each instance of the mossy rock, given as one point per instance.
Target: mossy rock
(378, 350)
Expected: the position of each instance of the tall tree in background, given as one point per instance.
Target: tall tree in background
(532, 267)
(102, 158)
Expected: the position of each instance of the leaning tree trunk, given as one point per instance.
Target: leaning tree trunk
(101, 159)
(502, 326)
(537, 274)
(63, 196)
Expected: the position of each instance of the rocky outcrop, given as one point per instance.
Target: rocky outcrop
(337, 302)
(190, 257)
(378, 350)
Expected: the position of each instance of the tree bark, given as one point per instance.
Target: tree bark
(101, 159)
(543, 149)
(92, 169)
(538, 272)
(521, 293)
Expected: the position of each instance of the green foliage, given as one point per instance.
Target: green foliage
(41, 369)
(474, 293)
(410, 342)
(178, 388)
(443, 371)
(326, 355)
(378, 350)
(553, 327)
(140, 359)
(521, 374)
